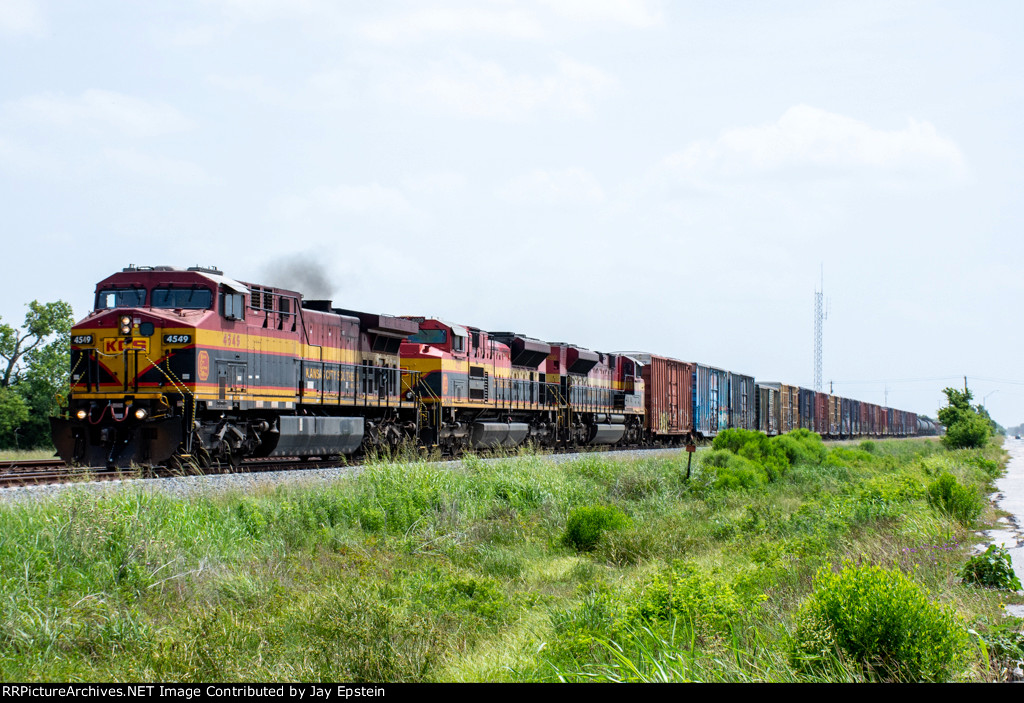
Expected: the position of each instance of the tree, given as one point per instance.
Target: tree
(17, 344)
(13, 413)
(995, 426)
(33, 372)
(965, 427)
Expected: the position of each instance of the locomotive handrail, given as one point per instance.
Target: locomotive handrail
(180, 388)
(73, 368)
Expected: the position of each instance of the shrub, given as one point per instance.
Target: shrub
(949, 495)
(685, 596)
(754, 446)
(735, 439)
(730, 471)
(992, 568)
(801, 446)
(845, 457)
(991, 468)
(881, 619)
(587, 524)
(965, 428)
(968, 431)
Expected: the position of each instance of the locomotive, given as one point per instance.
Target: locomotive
(188, 365)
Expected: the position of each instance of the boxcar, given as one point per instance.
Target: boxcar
(668, 388)
(807, 398)
(742, 410)
(711, 400)
(769, 407)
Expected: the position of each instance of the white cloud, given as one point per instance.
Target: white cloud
(435, 183)
(510, 22)
(22, 159)
(635, 13)
(20, 17)
(174, 171)
(343, 199)
(469, 87)
(571, 185)
(199, 35)
(522, 20)
(807, 141)
(274, 10)
(105, 110)
(255, 87)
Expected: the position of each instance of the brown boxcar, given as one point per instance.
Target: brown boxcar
(789, 403)
(835, 415)
(821, 413)
(668, 386)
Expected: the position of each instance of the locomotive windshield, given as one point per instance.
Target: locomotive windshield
(188, 298)
(120, 298)
(430, 337)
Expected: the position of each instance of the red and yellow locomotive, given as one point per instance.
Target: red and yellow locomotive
(189, 364)
(488, 389)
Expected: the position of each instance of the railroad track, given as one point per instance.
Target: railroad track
(41, 471)
(49, 471)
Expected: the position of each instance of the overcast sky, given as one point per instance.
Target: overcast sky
(663, 176)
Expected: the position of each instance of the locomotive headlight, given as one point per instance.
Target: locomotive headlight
(126, 324)
(81, 414)
(140, 414)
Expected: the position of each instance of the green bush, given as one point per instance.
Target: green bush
(967, 431)
(754, 446)
(991, 467)
(801, 446)
(587, 524)
(730, 471)
(881, 619)
(992, 568)
(965, 428)
(684, 596)
(843, 456)
(735, 439)
(949, 495)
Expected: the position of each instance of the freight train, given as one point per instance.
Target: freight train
(175, 366)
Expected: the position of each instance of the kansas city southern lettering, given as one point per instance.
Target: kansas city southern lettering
(117, 345)
(322, 374)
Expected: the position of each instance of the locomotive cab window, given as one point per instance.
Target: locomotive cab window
(193, 298)
(120, 298)
(232, 305)
(430, 337)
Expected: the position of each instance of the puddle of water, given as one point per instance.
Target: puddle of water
(1016, 611)
(1010, 497)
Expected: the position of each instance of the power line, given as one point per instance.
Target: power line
(953, 377)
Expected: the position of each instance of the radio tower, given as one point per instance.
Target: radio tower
(819, 318)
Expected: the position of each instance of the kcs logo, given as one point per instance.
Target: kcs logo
(117, 345)
(204, 365)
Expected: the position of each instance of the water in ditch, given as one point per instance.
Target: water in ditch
(1010, 498)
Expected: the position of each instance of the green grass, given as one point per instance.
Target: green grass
(416, 572)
